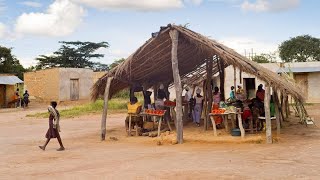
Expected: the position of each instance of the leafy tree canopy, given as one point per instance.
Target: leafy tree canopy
(74, 54)
(9, 63)
(303, 48)
(264, 58)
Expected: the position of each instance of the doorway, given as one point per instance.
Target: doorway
(74, 89)
(2, 95)
(250, 87)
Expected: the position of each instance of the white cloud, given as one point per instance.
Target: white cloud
(269, 5)
(27, 61)
(61, 18)
(245, 45)
(3, 30)
(140, 5)
(31, 4)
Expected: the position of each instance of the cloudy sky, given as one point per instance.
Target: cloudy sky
(34, 27)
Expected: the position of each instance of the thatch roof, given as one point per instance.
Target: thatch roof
(151, 63)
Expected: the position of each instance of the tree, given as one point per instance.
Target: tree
(74, 54)
(303, 48)
(264, 58)
(9, 63)
(116, 63)
(100, 67)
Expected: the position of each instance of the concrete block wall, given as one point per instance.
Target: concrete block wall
(43, 84)
(313, 87)
(85, 77)
(97, 75)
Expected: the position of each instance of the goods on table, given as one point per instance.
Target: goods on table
(169, 103)
(231, 109)
(155, 112)
(218, 111)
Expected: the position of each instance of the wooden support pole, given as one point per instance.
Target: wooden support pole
(234, 79)
(105, 109)
(240, 76)
(287, 106)
(193, 90)
(166, 89)
(222, 78)
(240, 123)
(267, 114)
(155, 92)
(282, 106)
(279, 107)
(208, 90)
(174, 34)
(276, 106)
(204, 111)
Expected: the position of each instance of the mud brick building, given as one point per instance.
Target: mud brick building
(8, 85)
(60, 84)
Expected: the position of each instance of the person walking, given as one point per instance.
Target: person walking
(26, 99)
(198, 107)
(54, 127)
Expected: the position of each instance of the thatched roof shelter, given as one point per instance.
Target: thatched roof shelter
(151, 63)
(176, 54)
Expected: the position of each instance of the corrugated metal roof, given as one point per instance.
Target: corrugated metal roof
(299, 69)
(10, 80)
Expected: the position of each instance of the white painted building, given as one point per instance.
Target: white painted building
(306, 74)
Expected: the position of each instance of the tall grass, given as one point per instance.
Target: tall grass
(116, 105)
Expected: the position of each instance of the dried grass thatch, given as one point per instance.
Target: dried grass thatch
(151, 63)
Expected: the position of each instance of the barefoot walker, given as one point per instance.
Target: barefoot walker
(54, 127)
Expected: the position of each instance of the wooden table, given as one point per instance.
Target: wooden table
(225, 120)
(136, 126)
(172, 115)
(154, 116)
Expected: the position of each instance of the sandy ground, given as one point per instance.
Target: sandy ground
(295, 156)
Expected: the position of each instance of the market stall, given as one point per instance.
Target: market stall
(176, 56)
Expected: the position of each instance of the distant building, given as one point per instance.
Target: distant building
(61, 84)
(8, 85)
(306, 75)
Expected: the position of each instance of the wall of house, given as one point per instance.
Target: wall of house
(85, 79)
(313, 87)
(2, 95)
(97, 75)
(10, 93)
(43, 84)
(229, 77)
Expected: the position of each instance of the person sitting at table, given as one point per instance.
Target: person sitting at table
(197, 108)
(255, 111)
(216, 101)
(134, 107)
(246, 115)
(240, 94)
(232, 97)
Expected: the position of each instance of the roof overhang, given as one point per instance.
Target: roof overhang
(10, 80)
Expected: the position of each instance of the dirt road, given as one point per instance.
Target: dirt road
(297, 156)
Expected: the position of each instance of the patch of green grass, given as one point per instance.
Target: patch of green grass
(114, 106)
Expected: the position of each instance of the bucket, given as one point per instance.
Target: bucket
(236, 132)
